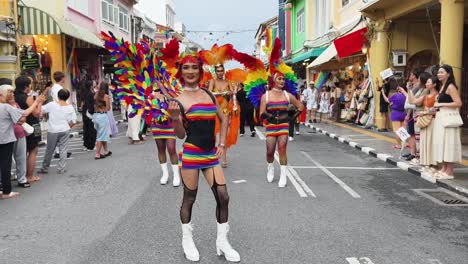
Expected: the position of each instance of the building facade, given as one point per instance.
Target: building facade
(8, 58)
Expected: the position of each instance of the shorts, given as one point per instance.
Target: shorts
(312, 106)
(32, 142)
(410, 128)
(383, 108)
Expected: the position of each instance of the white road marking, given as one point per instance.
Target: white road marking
(239, 181)
(332, 135)
(341, 139)
(434, 261)
(293, 181)
(260, 134)
(333, 177)
(343, 168)
(353, 144)
(363, 260)
(301, 182)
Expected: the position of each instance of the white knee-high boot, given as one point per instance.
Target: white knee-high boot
(283, 180)
(176, 179)
(165, 173)
(190, 250)
(222, 244)
(271, 172)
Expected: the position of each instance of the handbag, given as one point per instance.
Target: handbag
(28, 129)
(451, 118)
(424, 120)
(409, 106)
(364, 118)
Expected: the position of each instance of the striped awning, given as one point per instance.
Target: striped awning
(34, 21)
(37, 22)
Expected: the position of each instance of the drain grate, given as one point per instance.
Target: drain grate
(443, 197)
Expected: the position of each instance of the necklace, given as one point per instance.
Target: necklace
(189, 89)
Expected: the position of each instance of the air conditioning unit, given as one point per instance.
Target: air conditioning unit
(399, 58)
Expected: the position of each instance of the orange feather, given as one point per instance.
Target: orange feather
(217, 55)
(236, 75)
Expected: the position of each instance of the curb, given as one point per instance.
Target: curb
(415, 170)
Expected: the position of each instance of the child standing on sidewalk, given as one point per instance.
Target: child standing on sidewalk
(61, 118)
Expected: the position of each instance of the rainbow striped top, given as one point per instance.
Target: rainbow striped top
(277, 106)
(198, 112)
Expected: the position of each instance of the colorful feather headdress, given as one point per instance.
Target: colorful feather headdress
(140, 75)
(256, 78)
(217, 55)
(276, 66)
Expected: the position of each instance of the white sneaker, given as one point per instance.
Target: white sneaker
(290, 138)
(241, 135)
(298, 133)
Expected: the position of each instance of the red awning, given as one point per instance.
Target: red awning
(351, 43)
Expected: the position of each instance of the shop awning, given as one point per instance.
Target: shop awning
(34, 21)
(306, 55)
(328, 54)
(351, 43)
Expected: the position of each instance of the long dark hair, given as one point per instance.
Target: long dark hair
(435, 81)
(103, 90)
(450, 79)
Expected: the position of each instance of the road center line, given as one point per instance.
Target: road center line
(343, 168)
(293, 181)
(332, 176)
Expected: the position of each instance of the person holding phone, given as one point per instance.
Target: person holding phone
(384, 93)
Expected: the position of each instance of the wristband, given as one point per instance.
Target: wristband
(221, 145)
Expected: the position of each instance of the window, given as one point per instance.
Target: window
(344, 2)
(123, 19)
(300, 21)
(107, 11)
(81, 6)
(169, 17)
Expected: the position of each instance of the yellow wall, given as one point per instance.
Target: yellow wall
(348, 14)
(54, 48)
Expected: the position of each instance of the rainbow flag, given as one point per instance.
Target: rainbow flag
(320, 79)
(72, 66)
(270, 34)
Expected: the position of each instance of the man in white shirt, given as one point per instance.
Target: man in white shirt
(59, 78)
(310, 97)
(62, 117)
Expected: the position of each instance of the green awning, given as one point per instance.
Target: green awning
(306, 55)
(34, 21)
(37, 22)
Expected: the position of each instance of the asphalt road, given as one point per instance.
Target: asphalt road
(343, 207)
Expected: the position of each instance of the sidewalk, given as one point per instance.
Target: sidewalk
(379, 145)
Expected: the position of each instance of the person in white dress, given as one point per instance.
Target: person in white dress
(324, 103)
(310, 97)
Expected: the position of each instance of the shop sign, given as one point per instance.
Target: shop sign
(30, 62)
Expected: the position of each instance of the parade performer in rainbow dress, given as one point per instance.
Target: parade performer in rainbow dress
(274, 104)
(224, 90)
(158, 93)
(194, 114)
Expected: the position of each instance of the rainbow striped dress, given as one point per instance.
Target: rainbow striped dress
(199, 151)
(163, 130)
(276, 130)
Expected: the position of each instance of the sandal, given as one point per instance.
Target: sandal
(100, 157)
(24, 185)
(10, 195)
(34, 179)
(109, 153)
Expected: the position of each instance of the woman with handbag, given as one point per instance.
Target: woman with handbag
(22, 90)
(447, 122)
(424, 120)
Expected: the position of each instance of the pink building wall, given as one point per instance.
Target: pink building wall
(89, 21)
(104, 26)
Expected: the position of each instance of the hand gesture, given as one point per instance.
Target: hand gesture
(174, 110)
(220, 151)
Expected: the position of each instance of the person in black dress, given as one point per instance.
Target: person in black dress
(247, 111)
(87, 99)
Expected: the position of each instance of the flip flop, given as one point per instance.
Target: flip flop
(34, 179)
(10, 195)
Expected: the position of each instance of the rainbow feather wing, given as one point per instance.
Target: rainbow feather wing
(254, 86)
(236, 75)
